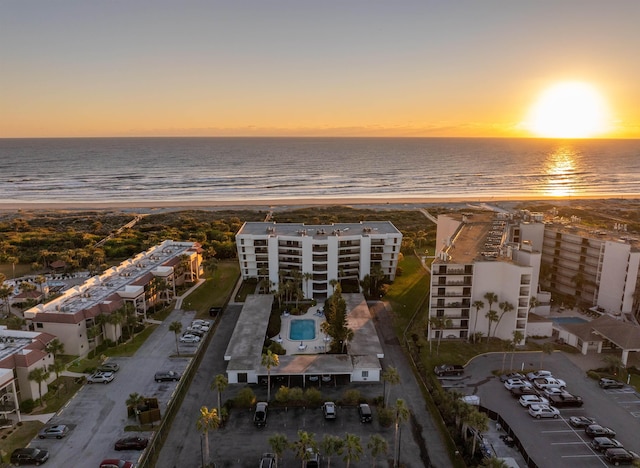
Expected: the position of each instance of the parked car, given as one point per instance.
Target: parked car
(603, 443)
(131, 443)
(109, 367)
(197, 331)
(101, 377)
(53, 432)
(365, 413)
(527, 400)
(620, 456)
(540, 374)
(596, 430)
(581, 421)
(29, 456)
(519, 391)
(549, 382)
(214, 311)
(448, 369)
(166, 376)
(260, 416)
(313, 459)
(549, 392)
(189, 338)
(268, 460)
(565, 400)
(543, 411)
(329, 410)
(115, 463)
(204, 324)
(610, 383)
(515, 383)
(511, 375)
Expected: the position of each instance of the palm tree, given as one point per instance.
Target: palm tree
(533, 303)
(219, 384)
(518, 336)
(440, 324)
(176, 328)
(308, 276)
(40, 280)
(56, 367)
(333, 283)
(490, 297)
(208, 421)
(39, 375)
(389, 376)
(352, 448)
(303, 444)
(505, 307)
(270, 360)
(5, 293)
(480, 423)
(377, 445)
(547, 348)
(402, 414)
(478, 305)
(331, 445)
(134, 400)
(278, 443)
(55, 347)
(13, 261)
(491, 316)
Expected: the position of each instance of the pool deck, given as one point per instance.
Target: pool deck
(317, 346)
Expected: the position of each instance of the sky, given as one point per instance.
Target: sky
(469, 68)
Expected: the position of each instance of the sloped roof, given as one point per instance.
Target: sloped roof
(625, 335)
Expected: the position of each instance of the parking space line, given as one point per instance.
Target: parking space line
(582, 442)
(560, 431)
(580, 456)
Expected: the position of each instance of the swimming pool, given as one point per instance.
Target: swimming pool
(302, 329)
(562, 320)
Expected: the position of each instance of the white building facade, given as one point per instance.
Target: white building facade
(318, 255)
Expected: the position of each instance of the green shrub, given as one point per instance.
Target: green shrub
(282, 395)
(276, 348)
(593, 375)
(245, 398)
(313, 397)
(385, 416)
(351, 397)
(27, 406)
(296, 394)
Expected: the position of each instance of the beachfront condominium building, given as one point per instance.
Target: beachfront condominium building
(591, 268)
(316, 257)
(132, 287)
(22, 352)
(480, 281)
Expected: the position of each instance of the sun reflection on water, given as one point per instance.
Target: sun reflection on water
(561, 174)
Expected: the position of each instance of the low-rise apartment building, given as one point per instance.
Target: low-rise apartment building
(136, 284)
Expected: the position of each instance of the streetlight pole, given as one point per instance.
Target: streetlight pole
(201, 451)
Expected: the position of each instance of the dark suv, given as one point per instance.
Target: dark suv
(619, 456)
(29, 456)
(260, 416)
(365, 413)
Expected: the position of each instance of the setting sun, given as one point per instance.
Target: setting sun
(569, 110)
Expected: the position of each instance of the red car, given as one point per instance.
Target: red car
(113, 463)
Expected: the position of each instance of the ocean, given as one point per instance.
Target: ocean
(235, 169)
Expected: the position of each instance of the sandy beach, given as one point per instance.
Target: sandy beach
(280, 203)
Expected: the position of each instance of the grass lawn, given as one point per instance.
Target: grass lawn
(216, 289)
(408, 293)
(17, 437)
(56, 400)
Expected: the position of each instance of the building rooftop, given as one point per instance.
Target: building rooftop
(319, 231)
(618, 233)
(119, 278)
(479, 236)
(21, 342)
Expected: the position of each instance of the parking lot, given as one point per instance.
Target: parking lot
(97, 414)
(554, 442)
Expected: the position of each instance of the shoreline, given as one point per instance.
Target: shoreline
(288, 202)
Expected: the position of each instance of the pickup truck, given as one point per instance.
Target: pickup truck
(448, 369)
(564, 400)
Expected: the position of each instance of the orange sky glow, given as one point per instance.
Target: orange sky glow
(360, 68)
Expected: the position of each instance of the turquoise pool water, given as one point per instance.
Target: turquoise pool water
(302, 329)
(561, 320)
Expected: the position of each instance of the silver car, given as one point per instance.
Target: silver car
(53, 432)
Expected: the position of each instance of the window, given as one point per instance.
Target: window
(365, 373)
(39, 325)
